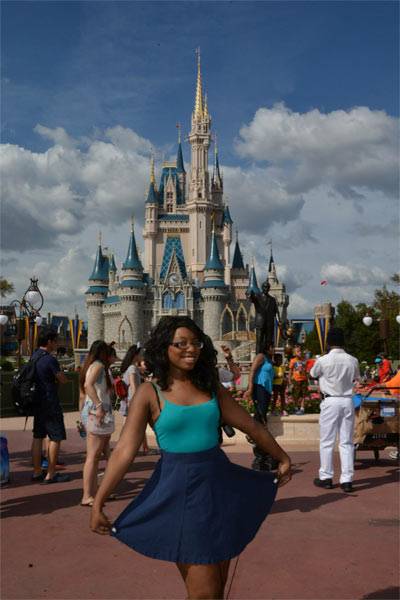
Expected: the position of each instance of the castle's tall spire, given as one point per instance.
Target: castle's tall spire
(216, 178)
(132, 261)
(237, 262)
(152, 173)
(152, 193)
(180, 167)
(214, 262)
(253, 285)
(198, 105)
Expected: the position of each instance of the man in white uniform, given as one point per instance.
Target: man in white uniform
(337, 371)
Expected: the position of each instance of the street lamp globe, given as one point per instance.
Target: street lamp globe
(34, 298)
(3, 319)
(38, 321)
(367, 320)
(398, 319)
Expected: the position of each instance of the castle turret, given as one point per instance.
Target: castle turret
(132, 294)
(277, 289)
(180, 168)
(253, 285)
(214, 291)
(112, 275)
(199, 205)
(217, 186)
(95, 296)
(150, 229)
(227, 240)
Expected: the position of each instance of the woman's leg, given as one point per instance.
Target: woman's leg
(204, 582)
(94, 449)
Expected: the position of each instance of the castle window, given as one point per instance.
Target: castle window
(170, 195)
(180, 300)
(199, 194)
(170, 208)
(168, 300)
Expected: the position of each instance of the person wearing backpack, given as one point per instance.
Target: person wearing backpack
(48, 418)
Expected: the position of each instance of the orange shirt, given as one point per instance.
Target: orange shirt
(395, 383)
(297, 368)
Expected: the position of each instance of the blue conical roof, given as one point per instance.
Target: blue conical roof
(100, 269)
(253, 285)
(113, 266)
(237, 262)
(214, 262)
(180, 167)
(152, 195)
(271, 262)
(227, 216)
(132, 258)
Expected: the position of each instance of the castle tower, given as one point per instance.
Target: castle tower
(199, 205)
(112, 275)
(253, 285)
(217, 185)
(95, 296)
(214, 291)
(180, 167)
(132, 294)
(150, 229)
(239, 274)
(277, 289)
(227, 240)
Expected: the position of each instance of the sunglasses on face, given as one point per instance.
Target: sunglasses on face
(184, 344)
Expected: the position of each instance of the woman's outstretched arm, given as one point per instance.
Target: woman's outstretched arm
(235, 415)
(128, 445)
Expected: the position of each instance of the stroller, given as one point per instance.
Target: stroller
(377, 420)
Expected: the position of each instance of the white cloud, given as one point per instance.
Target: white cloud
(353, 275)
(299, 306)
(350, 150)
(62, 190)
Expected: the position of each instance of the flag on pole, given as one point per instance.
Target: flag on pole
(75, 329)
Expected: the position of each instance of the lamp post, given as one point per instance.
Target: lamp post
(29, 307)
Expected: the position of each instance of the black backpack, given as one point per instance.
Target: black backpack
(23, 387)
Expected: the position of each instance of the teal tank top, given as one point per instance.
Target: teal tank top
(187, 428)
(265, 375)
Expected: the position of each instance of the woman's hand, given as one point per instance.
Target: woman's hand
(100, 414)
(284, 472)
(99, 523)
(248, 395)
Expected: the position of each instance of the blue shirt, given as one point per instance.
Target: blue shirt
(47, 368)
(187, 428)
(265, 375)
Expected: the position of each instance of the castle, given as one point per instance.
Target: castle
(187, 267)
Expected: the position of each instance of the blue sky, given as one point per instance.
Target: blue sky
(88, 68)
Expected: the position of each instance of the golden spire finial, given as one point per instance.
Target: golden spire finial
(152, 175)
(132, 223)
(237, 234)
(198, 107)
(100, 238)
(215, 144)
(178, 126)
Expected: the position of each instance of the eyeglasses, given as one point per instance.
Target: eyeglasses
(184, 344)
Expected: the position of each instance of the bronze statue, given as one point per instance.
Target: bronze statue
(266, 310)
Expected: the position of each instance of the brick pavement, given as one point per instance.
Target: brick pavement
(316, 544)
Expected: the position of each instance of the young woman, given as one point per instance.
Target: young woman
(96, 384)
(131, 376)
(198, 509)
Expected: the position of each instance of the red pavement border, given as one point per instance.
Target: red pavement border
(316, 544)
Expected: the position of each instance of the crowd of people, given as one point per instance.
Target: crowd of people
(176, 387)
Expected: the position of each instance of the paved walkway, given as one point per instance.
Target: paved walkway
(316, 544)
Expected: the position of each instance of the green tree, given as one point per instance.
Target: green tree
(387, 306)
(6, 287)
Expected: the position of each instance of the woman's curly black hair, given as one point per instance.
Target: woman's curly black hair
(204, 375)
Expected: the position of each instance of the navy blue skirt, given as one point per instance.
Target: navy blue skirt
(197, 508)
